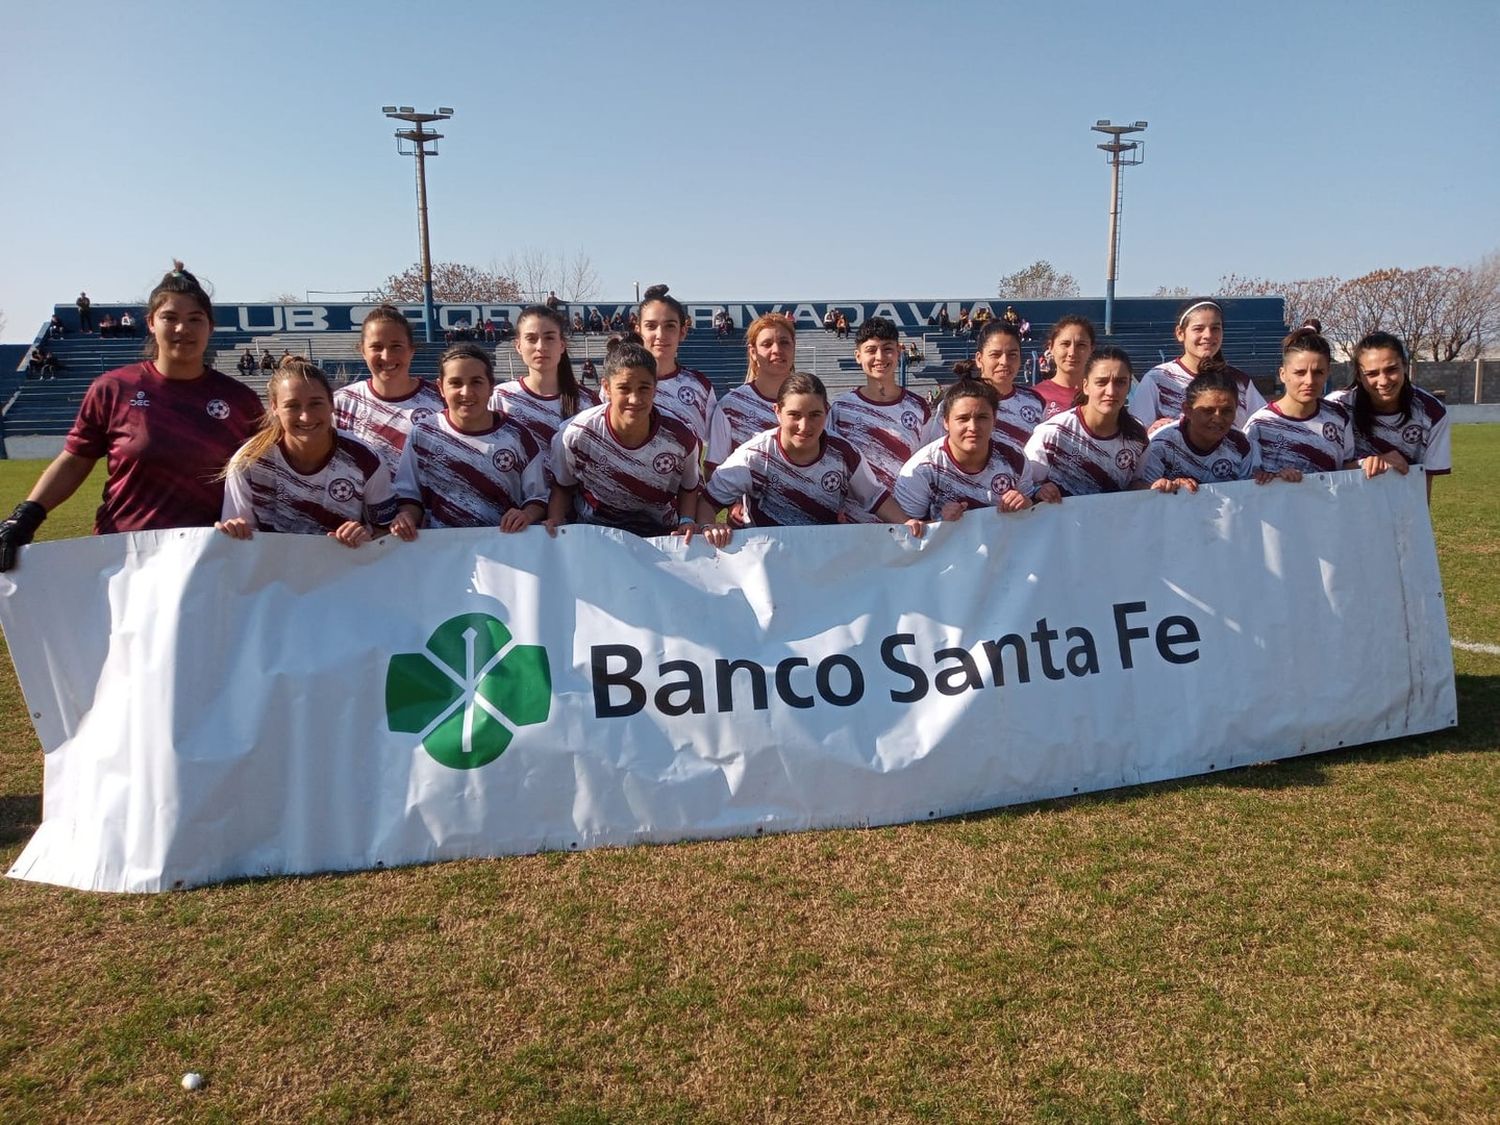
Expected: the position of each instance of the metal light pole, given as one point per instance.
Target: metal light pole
(418, 138)
(1121, 153)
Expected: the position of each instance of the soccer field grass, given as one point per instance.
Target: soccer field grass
(1315, 939)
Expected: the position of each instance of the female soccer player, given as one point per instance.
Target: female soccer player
(1395, 423)
(301, 476)
(1203, 447)
(795, 474)
(680, 391)
(1096, 446)
(548, 394)
(382, 410)
(1200, 331)
(1302, 431)
(749, 409)
(626, 464)
(469, 466)
(968, 468)
(883, 420)
(165, 426)
(1070, 342)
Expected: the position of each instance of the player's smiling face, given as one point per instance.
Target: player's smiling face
(630, 393)
(662, 331)
(800, 419)
(181, 330)
(539, 343)
(879, 359)
(1304, 375)
(999, 361)
(1209, 418)
(1382, 374)
(970, 424)
(466, 387)
(774, 352)
(386, 350)
(1202, 335)
(305, 411)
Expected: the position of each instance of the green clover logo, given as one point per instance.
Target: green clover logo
(465, 695)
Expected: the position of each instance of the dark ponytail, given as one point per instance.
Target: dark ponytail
(567, 382)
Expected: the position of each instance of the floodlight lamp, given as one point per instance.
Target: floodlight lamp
(407, 109)
(1140, 124)
(387, 109)
(1101, 121)
(446, 110)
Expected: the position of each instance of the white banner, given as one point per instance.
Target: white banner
(213, 709)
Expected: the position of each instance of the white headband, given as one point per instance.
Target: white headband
(1191, 309)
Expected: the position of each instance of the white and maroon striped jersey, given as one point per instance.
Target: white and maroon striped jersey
(932, 479)
(1421, 438)
(352, 484)
(688, 396)
(1066, 452)
(540, 414)
(777, 492)
(885, 433)
(1161, 391)
(619, 486)
(383, 423)
(471, 480)
(1171, 454)
(743, 412)
(1320, 444)
(1015, 417)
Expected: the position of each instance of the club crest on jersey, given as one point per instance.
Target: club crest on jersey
(909, 420)
(1330, 432)
(1411, 434)
(1001, 483)
(140, 399)
(217, 408)
(833, 481)
(341, 490)
(688, 396)
(665, 463)
(1125, 460)
(504, 460)
(421, 414)
(1030, 414)
(1222, 469)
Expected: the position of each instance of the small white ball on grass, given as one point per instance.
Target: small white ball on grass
(192, 1080)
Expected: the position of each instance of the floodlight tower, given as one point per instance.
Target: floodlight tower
(414, 142)
(1121, 153)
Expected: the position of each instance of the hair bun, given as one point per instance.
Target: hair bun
(654, 293)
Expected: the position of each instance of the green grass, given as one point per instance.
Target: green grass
(1314, 940)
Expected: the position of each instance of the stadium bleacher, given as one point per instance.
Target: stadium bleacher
(328, 335)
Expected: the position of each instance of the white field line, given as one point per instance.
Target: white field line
(1474, 646)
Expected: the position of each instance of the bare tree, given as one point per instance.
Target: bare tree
(1304, 300)
(1172, 291)
(1038, 281)
(451, 281)
(286, 297)
(580, 280)
(539, 272)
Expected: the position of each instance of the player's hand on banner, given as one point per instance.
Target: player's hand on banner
(18, 530)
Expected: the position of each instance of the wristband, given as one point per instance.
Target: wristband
(683, 521)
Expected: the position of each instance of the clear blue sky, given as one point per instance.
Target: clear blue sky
(741, 150)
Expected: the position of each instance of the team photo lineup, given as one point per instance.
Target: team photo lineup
(655, 452)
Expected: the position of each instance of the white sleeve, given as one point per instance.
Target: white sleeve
(732, 479)
(913, 489)
(1254, 400)
(1346, 436)
(866, 491)
(562, 458)
(407, 488)
(1037, 465)
(1438, 456)
(691, 478)
(933, 430)
(237, 505)
(1144, 402)
(718, 436)
(1154, 464)
(380, 494)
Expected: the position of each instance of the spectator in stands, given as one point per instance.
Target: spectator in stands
(588, 374)
(106, 325)
(842, 325)
(161, 475)
(981, 317)
(489, 330)
(596, 321)
(914, 354)
(830, 319)
(723, 323)
(945, 322)
(578, 328)
(126, 326)
(85, 313)
(617, 322)
(963, 321)
(41, 364)
(553, 302)
(55, 327)
(247, 364)
(503, 329)
(267, 362)
(1012, 317)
